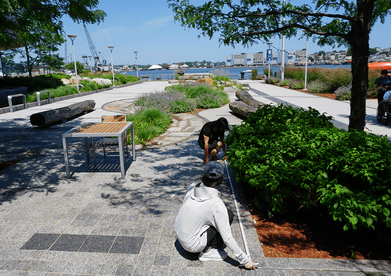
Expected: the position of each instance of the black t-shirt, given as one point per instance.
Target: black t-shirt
(207, 130)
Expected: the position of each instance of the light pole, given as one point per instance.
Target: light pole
(112, 64)
(306, 62)
(283, 51)
(90, 67)
(73, 37)
(136, 63)
(269, 43)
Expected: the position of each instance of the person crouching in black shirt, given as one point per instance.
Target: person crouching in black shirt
(211, 138)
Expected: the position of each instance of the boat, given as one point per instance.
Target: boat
(380, 65)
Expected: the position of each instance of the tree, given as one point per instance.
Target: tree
(372, 51)
(17, 15)
(71, 66)
(165, 66)
(40, 45)
(332, 22)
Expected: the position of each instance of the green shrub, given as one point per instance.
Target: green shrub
(148, 123)
(254, 74)
(294, 84)
(272, 80)
(344, 93)
(181, 106)
(284, 83)
(318, 86)
(33, 84)
(221, 78)
(298, 85)
(297, 159)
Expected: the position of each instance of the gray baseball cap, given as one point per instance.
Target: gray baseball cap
(214, 170)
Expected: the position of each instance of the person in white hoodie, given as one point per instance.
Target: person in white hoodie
(203, 223)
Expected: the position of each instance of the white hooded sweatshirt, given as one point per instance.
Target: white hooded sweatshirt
(202, 208)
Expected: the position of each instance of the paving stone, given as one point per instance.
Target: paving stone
(68, 242)
(125, 270)
(127, 245)
(97, 244)
(40, 241)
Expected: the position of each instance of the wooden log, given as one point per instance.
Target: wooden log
(241, 108)
(49, 117)
(248, 99)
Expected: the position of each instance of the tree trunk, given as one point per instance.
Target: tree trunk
(29, 66)
(359, 42)
(248, 99)
(61, 114)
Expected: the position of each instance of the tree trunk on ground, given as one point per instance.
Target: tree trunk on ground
(49, 117)
(242, 108)
(248, 99)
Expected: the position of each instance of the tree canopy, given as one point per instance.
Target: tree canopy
(17, 15)
(332, 22)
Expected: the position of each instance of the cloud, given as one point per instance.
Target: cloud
(110, 31)
(156, 23)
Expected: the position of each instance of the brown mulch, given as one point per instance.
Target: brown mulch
(307, 234)
(4, 165)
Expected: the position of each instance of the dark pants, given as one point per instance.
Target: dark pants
(380, 95)
(214, 238)
(212, 145)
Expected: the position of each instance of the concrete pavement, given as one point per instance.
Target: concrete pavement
(98, 224)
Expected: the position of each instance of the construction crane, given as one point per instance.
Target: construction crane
(94, 52)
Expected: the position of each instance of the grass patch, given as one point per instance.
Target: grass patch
(148, 124)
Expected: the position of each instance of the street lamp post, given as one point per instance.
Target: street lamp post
(90, 67)
(73, 37)
(306, 63)
(112, 64)
(136, 63)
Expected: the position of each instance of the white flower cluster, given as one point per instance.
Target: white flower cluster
(86, 79)
(101, 81)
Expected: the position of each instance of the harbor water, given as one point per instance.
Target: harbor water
(233, 73)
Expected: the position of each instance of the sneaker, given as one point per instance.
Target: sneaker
(213, 254)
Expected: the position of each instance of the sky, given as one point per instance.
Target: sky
(149, 28)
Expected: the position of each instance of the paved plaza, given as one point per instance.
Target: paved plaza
(96, 223)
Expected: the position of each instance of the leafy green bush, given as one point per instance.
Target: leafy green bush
(123, 79)
(272, 80)
(148, 123)
(318, 86)
(294, 84)
(181, 106)
(343, 93)
(221, 78)
(298, 85)
(284, 83)
(33, 84)
(298, 159)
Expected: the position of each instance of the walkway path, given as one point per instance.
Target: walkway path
(98, 224)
